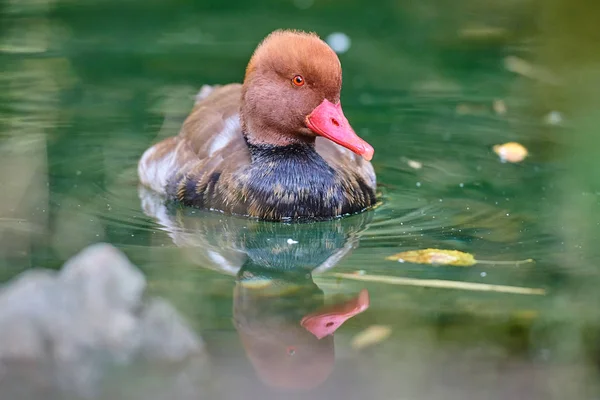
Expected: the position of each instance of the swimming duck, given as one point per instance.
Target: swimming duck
(277, 147)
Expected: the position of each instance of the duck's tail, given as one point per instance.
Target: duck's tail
(161, 162)
(205, 91)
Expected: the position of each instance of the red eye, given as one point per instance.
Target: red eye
(298, 80)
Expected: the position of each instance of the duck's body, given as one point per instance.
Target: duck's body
(227, 158)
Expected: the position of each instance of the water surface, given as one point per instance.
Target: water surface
(87, 87)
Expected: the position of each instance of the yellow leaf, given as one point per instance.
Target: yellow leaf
(259, 283)
(446, 257)
(414, 164)
(512, 152)
(435, 257)
(499, 107)
(374, 334)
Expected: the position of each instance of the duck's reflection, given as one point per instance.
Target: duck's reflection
(285, 328)
(280, 314)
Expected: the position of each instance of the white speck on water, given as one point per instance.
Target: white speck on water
(507, 214)
(553, 118)
(291, 241)
(414, 164)
(400, 260)
(78, 173)
(483, 274)
(461, 184)
(339, 42)
(418, 184)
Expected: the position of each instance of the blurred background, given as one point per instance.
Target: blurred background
(87, 86)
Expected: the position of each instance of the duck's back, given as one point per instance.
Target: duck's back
(209, 165)
(212, 127)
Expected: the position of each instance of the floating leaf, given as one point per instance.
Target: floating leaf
(414, 164)
(435, 257)
(499, 107)
(256, 283)
(527, 69)
(445, 257)
(438, 283)
(512, 152)
(374, 334)
(526, 315)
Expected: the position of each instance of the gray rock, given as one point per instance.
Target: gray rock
(165, 335)
(64, 331)
(105, 277)
(23, 305)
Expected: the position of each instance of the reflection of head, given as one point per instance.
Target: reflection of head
(268, 310)
(290, 358)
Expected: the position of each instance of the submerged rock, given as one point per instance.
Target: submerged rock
(105, 278)
(165, 336)
(60, 333)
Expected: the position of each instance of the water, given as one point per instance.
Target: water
(87, 87)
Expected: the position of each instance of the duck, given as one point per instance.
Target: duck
(276, 147)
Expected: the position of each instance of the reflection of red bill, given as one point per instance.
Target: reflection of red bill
(326, 321)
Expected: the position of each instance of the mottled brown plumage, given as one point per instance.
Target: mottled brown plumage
(251, 150)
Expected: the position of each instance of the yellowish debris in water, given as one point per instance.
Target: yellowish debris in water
(258, 283)
(527, 69)
(512, 152)
(442, 284)
(471, 109)
(435, 257)
(372, 335)
(482, 32)
(414, 164)
(499, 107)
(446, 257)
(526, 315)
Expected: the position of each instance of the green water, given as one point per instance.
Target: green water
(86, 87)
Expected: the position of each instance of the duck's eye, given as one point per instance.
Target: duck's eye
(298, 80)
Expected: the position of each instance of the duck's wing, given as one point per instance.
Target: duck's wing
(210, 141)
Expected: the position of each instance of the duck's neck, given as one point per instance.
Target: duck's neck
(294, 153)
(268, 138)
(259, 133)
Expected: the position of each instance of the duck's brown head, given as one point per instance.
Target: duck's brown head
(291, 94)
